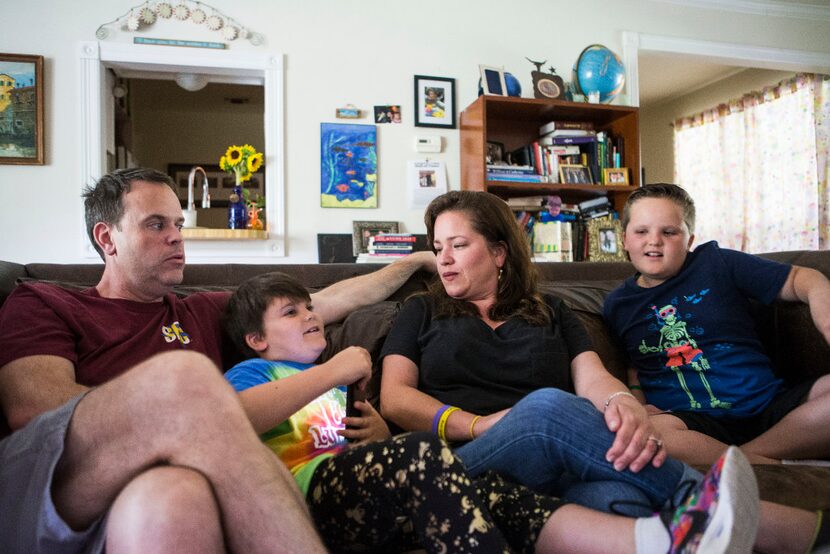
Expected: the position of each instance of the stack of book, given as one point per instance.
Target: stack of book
(563, 143)
(513, 173)
(387, 247)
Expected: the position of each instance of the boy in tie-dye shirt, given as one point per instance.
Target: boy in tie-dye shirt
(364, 495)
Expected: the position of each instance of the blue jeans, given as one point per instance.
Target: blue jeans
(555, 443)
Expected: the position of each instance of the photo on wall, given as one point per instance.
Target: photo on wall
(348, 166)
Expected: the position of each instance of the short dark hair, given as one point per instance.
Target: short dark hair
(490, 217)
(672, 192)
(104, 201)
(246, 307)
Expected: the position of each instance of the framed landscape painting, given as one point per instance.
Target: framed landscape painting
(21, 109)
(348, 166)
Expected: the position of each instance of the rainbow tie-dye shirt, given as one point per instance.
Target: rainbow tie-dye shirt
(310, 435)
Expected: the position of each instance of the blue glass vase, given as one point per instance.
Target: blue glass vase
(237, 214)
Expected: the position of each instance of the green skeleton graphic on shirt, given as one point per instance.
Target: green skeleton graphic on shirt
(681, 350)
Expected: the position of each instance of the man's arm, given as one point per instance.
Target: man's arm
(336, 301)
(33, 385)
(812, 288)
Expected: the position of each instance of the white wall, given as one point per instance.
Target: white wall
(363, 52)
(657, 134)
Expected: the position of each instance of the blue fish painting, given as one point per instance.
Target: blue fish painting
(348, 166)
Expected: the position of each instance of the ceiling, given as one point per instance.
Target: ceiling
(666, 76)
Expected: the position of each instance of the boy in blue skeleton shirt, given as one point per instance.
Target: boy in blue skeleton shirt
(685, 321)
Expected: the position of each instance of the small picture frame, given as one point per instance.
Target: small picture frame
(492, 80)
(495, 152)
(363, 230)
(575, 175)
(605, 240)
(349, 111)
(434, 102)
(21, 102)
(387, 114)
(616, 175)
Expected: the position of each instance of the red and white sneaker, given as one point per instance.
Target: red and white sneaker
(720, 515)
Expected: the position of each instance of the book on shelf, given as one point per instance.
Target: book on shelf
(526, 201)
(530, 178)
(570, 133)
(560, 125)
(392, 237)
(511, 169)
(598, 203)
(390, 247)
(366, 258)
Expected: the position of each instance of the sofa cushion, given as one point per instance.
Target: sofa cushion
(366, 327)
(586, 299)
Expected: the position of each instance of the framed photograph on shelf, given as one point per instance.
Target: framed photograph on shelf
(495, 152)
(21, 109)
(434, 102)
(363, 230)
(616, 175)
(492, 80)
(605, 240)
(575, 175)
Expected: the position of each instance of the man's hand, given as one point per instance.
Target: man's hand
(637, 441)
(353, 365)
(368, 427)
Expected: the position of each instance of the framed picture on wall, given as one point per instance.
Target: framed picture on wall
(434, 102)
(362, 231)
(21, 109)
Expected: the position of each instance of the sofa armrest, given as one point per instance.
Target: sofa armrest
(10, 272)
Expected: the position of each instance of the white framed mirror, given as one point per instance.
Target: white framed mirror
(222, 66)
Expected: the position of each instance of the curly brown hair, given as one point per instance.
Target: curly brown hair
(518, 293)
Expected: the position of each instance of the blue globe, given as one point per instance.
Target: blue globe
(599, 69)
(514, 88)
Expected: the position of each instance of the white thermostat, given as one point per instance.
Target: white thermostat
(428, 144)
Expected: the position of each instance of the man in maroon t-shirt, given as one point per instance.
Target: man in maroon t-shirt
(159, 455)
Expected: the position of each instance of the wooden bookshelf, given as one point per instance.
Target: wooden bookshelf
(515, 122)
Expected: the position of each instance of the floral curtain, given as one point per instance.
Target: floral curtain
(757, 168)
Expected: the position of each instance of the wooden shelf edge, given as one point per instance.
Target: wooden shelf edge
(223, 234)
(552, 188)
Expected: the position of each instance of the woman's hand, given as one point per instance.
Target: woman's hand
(637, 441)
(485, 422)
(368, 427)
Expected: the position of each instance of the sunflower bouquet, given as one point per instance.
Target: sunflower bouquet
(241, 161)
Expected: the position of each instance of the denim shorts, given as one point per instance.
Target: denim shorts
(29, 521)
(742, 430)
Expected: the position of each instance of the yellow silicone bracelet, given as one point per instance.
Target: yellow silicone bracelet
(472, 427)
(442, 423)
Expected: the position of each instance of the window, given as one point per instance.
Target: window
(757, 168)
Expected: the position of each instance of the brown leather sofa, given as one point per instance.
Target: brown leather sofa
(796, 347)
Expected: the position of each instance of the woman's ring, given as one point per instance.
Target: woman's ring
(656, 440)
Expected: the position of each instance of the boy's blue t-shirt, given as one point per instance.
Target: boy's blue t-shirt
(696, 330)
(307, 437)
